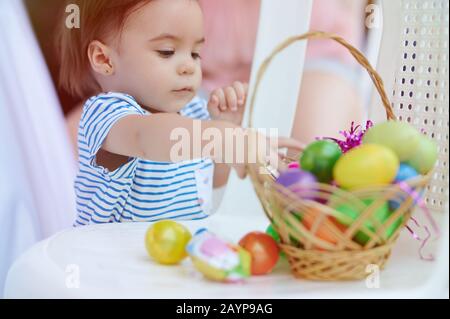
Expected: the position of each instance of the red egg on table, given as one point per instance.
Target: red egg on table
(264, 252)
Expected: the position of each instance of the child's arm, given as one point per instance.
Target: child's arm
(149, 137)
(221, 174)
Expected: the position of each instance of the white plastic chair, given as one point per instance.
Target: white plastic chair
(37, 166)
(279, 88)
(414, 61)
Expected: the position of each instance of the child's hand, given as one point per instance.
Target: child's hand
(269, 154)
(227, 104)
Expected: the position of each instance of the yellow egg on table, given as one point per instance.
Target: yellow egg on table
(366, 165)
(166, 242)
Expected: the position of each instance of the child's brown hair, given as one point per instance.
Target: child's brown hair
(98, 20)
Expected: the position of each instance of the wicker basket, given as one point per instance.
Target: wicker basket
(316, 246)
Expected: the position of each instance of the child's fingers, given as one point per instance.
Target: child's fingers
(273, 158)
(213, 101)
(220, 95)
(245, 88)
(240, 92)
(289, 142)
(283, 142)
(231, 97)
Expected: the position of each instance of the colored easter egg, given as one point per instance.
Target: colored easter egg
(367, 165)
(208, 270)
(218, 259)
(270, 230)
(402, 138)
(319, 158)
(309, 220)
(166, 241)
(273, 233)
(212, 272)
(381, 215)
(277, 210)
(405, 172)
(263, 250)
(425, 156)
(297, 181)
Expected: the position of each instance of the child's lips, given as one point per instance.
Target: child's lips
(184, 90)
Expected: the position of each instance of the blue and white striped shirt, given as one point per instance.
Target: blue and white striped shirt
(140, 190)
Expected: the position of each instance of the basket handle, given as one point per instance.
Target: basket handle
(376, 79)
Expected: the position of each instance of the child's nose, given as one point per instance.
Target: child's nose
(187, 67)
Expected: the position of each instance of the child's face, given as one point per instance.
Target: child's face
(157, 60)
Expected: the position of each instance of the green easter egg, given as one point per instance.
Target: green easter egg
(293, 241)
(362, 237)
(382, 214)
(273, 233)
(319, 159)
(425, 157)
(400, 137)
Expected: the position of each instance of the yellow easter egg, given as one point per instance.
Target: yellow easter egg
(367, 165)
(166, 242)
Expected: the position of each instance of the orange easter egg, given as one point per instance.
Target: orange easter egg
(322, 232)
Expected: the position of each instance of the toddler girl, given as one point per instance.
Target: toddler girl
(139, 60)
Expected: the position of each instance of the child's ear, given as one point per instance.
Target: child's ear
(100, 58)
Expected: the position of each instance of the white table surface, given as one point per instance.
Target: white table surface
(112, 263)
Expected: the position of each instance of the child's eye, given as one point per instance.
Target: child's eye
(165, 53)
(196, 55)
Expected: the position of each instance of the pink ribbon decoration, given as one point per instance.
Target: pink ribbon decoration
(294, 165)
(420, 202)
(353, 138)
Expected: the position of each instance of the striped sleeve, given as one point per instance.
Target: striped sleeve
(196, 109)
(99, 117)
